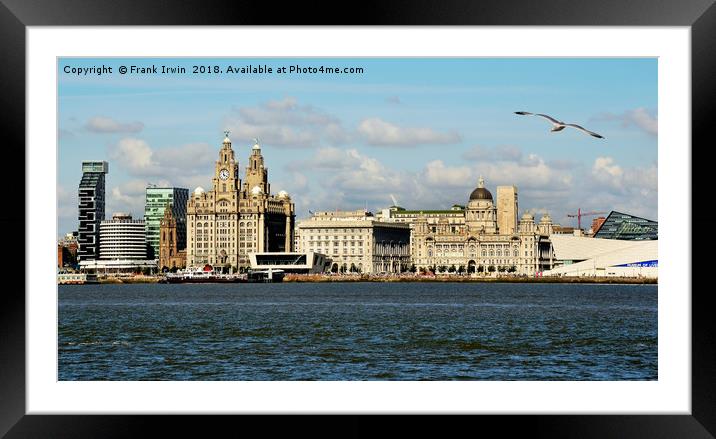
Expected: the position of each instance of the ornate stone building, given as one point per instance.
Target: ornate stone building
(356, 242)
(170, 255)
(469, 237)
(236, 218)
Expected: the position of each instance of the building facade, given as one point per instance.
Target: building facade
(470, 239)
(235, 217)
(122, 238)
(156, 201)
(90, 208)
(67, 250)
(507, 209)
(171, 255)
(356, 241)
(627, 227)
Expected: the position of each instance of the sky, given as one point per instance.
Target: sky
(422, 130)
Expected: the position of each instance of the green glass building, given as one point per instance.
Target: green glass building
(157, 199)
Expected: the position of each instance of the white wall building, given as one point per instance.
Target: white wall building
(582, 256)
(122, 238)
(356, 241)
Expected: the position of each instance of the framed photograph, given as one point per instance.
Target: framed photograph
(423, 211)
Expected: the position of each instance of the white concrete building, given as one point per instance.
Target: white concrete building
(582, 256)
(357, 242)
(122, 238)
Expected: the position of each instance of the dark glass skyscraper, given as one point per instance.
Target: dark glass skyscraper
(627, 227)
(90, 209)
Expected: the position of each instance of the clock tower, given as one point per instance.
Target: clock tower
(226, 174)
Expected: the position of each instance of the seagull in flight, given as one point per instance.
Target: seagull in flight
(557, 125)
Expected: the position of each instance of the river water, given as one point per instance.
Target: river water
(357, 331)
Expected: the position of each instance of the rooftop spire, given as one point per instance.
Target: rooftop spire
(481, 182)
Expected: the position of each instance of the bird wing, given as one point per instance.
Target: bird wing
(553, 120)
(523, 113)
(584, 129)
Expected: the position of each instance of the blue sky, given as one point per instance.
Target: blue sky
(421, 129)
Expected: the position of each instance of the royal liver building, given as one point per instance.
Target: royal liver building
(236, 218)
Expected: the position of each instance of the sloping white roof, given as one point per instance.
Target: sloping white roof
(570, 247)
(603, 253)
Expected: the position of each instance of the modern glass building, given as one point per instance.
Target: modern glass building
(157, 199)
(627, 227)
(90, 208)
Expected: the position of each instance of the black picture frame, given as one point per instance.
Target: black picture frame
(16, 15)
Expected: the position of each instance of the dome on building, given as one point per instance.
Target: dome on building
(199, 190)
(256, 190)
(283, 194)
(480, 193)
(545, 219)
(527, 217)
(256, 144)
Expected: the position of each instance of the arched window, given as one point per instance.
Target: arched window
(484, 253)
(492, 253)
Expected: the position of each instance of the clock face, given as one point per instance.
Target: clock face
(223, 174)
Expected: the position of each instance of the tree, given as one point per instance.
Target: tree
(512, 269)
(443, 268)
(452, 268)
(461, 269)
(501, 268)
(491, 268)
(353, 268)
(343, 268)
(480, 268)
(413, 269)
(431, 269)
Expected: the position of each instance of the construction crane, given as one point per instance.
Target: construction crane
(580, 214)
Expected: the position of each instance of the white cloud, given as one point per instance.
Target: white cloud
(438, 175)
(172, 163)
(102, 124)
(640, 118)
(378, 132)
(286, 123)
(349, 179)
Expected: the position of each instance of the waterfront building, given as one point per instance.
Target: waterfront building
(507, 209)
(171, 255)
(67, 250)
(122, 238)
(122, 247)
(356, 241)
(624, 226)
(596, 224)
(469, 239)
(583, 256)
(294, 262)
(90, 206)
(156, 201)
(235, 217)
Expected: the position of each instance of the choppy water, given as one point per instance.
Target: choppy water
(358, 331)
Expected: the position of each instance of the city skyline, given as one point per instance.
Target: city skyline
(420, 130)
